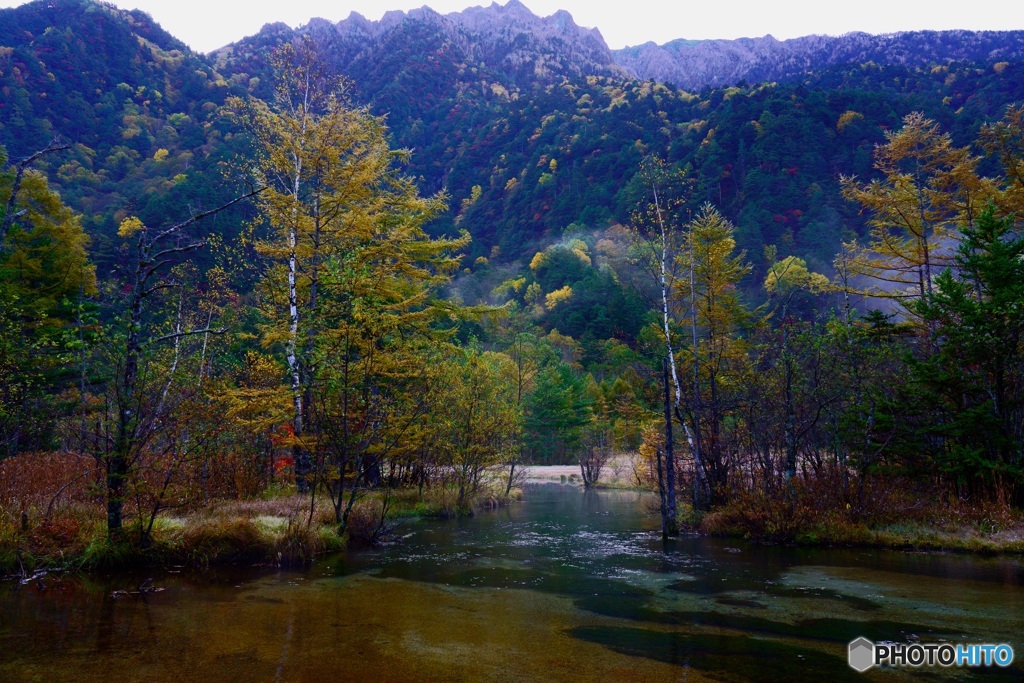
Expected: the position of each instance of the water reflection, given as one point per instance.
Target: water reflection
(565, 586)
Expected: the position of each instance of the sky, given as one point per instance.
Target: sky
(208, 24)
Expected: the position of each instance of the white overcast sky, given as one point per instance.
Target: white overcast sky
(208, 24)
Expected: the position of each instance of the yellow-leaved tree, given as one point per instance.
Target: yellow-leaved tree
(348, 295)
(708, 273)
(44, 276)
(1004, 140)
(478, 418)
(786, 279)
(927, 186)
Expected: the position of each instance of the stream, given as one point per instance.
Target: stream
(566, 585)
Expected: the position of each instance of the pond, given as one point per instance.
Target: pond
(566, 585)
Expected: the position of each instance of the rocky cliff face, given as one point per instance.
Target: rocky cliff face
(511, 45)
(507, 42)
(513, 39)
(694, 65)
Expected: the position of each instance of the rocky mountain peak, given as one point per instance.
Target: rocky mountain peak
(510, 45)
(513, 42)
(698, 64)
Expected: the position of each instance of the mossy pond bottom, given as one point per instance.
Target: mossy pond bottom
(564, 586)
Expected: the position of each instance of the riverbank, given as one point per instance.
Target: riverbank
(943, 526)
(618, 473)
(564, 586)
(280, 531)
(285, 530)
(912, 537)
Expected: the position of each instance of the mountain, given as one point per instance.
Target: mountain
(140, 108)
(440, 79)
(515, 48)
(698, 64)
(66, 66)
(505, 44)
(531, 125)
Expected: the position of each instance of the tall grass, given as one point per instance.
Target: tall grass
(879, 511)
(281, 531)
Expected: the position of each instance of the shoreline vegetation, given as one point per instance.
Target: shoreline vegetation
(285, 529)
(971, 531)
(912, 525)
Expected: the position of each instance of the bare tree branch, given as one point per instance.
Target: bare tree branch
(189, 333)
(55, 145)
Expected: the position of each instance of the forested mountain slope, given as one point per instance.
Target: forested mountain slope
(536, 112)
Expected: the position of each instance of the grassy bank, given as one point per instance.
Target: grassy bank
(886, 519)
(280, 531)
(620, 472)
(919, 537)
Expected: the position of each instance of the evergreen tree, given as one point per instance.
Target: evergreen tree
(556, 413)
(977, 370)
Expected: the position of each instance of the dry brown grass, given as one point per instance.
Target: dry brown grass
(41, 483)
(52, 513)
(881, 511)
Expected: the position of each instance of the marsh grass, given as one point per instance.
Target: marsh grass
(884, 514)
(281, 530)
(442, 501)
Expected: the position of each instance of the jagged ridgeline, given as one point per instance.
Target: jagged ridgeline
(537, 113)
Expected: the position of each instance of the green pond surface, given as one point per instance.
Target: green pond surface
(564, 586)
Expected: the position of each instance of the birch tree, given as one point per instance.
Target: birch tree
(656, 242)
(352, 274)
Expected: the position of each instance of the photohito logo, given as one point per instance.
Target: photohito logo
(863, 654)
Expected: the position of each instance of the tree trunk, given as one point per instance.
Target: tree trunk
(117, 461)
(790, 408)
(695, 437)
(661, 497)
(300, 458)
(670, 524)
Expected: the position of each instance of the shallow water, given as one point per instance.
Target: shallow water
(566, 585)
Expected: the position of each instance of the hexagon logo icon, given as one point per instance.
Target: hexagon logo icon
(861, 654)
